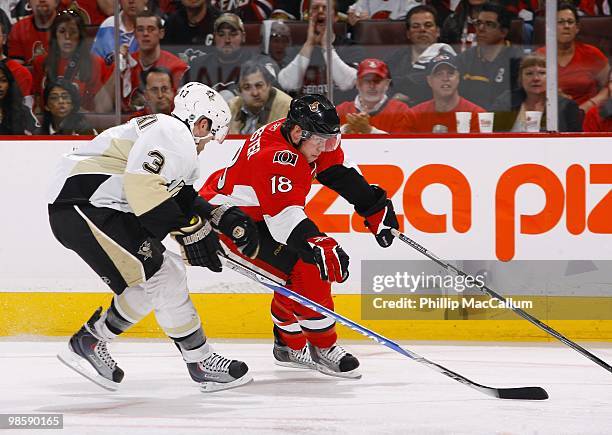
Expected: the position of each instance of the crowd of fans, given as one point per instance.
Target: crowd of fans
(59, 69)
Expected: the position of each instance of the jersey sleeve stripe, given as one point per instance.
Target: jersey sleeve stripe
(282, 224)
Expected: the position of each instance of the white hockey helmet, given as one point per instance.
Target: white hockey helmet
(195, 101)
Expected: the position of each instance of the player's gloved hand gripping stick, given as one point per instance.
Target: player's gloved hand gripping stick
(330, 258)
(239, 227)
(199, 244)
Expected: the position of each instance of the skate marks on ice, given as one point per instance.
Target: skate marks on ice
(395, 395)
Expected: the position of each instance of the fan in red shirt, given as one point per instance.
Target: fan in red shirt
(583, 68)
(69, 59)
(438, 114)
(599, 118)
(93, 12)
(269, 179)
(22, 75)
(149, 32)
(29, 37)
(372, 111)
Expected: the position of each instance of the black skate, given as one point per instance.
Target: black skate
(215, 373)
(335, 361)
(287, 357)
(88, 356)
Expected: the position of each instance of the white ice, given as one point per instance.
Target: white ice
(395, 395)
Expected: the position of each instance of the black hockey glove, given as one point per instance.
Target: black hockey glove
(236, 225)
(380, 218)
(330, 258)
(199, 244)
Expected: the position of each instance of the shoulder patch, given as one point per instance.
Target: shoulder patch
(285, 157)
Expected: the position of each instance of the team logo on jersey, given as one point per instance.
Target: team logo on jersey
(145, 250)
(285, 158)
(314, 107)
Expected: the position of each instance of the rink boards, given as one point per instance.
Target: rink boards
(464, 198)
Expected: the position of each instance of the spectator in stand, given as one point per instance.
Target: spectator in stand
(93, 12)
(29, 37)
(6, 23)
(306, 73)
(191, 25)
(247, 10)
(15, 116)
(373, 111)
(220, 68)
(149, 32)
(595, 7)
(406, 66)
(22, 75)
(70, 59)
(599, 118)
(438, 114)
(458, 29)
(583, 68)
(511, 106)
(491, 68)
(380, 10)
(277, 43)
(62, 111)
(258, 102)
(159, 92)
(104, 44)
(300, 10)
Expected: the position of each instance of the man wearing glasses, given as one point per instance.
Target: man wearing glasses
(491, 68)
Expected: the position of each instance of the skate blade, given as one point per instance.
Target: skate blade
(211, 387)
(85, 369)
(353, 374)
(294, 365)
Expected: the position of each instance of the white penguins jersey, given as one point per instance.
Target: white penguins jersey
(135, 167)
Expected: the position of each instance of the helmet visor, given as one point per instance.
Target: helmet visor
(329, 141)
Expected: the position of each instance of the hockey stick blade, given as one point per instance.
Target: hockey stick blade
(486, 290)
(520, 393)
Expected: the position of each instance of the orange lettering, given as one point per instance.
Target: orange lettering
(461, 193)
(600, 218)
(575, 199)
(539, 223)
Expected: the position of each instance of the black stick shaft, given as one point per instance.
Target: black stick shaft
(486, 290)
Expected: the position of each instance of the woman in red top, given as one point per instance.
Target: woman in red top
(583, 68)
(70, 59)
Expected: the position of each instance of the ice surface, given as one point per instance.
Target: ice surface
(395, 395)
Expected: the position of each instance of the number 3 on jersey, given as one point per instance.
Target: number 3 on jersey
(280, 184)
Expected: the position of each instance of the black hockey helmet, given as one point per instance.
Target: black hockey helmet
(316, 116)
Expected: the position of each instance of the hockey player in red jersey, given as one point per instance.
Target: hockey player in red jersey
(269, 179)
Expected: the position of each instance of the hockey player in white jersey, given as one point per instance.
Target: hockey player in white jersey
(115, 199)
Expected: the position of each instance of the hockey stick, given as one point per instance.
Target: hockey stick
(521, 393)
(486, 290)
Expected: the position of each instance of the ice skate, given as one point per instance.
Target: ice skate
(287, 357)
(216, 373)
(335, 361)
(88, 356)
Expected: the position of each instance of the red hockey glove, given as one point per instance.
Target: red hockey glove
(330, 258)
(380, 219)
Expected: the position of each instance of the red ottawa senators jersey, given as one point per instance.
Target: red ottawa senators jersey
(269, 180)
